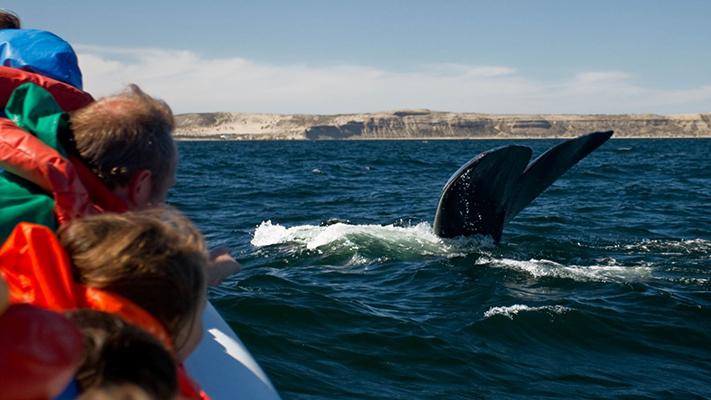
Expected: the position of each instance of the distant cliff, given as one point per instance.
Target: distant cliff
(425, 124)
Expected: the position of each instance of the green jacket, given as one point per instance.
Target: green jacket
(33, 110)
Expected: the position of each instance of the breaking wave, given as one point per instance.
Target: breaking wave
(586, 273)
(510, 311)
(404, 240)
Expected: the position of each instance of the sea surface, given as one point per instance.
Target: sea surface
(600, 289)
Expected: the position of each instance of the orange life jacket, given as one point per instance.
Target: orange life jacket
(38, 272)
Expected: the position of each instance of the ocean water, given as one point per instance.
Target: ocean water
(598, 290)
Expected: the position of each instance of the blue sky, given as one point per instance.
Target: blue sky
(329, 57)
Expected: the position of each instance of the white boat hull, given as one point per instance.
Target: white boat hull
(223, 367)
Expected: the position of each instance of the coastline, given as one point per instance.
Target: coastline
(435, 125)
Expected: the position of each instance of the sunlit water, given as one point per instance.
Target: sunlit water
(598, 290)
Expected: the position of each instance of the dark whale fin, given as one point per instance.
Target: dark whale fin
(491, 189)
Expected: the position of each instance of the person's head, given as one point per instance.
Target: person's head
(155, 258)
(126, 141)
(9, 20)
(117, 354)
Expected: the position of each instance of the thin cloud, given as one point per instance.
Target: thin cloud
(601, 76)
(477, 71)
(190, 83)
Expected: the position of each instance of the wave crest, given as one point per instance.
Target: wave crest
(510, 311)
(595, 273)
(386, 239)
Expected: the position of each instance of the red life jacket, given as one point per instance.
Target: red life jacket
(68, 97)
(76, 191)
(40, 352)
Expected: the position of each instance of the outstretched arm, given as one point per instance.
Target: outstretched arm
(222, 265)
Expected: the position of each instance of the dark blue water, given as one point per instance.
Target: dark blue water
(598, 290)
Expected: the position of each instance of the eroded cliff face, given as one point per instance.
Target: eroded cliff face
(425, 124)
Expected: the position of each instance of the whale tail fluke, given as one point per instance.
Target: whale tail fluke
(487, 192)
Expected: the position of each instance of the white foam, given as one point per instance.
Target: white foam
(668, 247)
(268, 234)
(418, 239)
(357, 260)
(689, 281)
(597, 273)
(510, 311)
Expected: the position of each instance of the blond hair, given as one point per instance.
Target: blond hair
(120, 135)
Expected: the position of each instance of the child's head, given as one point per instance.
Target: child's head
(126, 140)
(154, 258)
(118, 354)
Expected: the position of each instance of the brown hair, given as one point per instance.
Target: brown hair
(9, 20)
(156, 258)
(120, 135)
(117, 354)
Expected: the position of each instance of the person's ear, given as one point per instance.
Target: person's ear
(140, 190)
